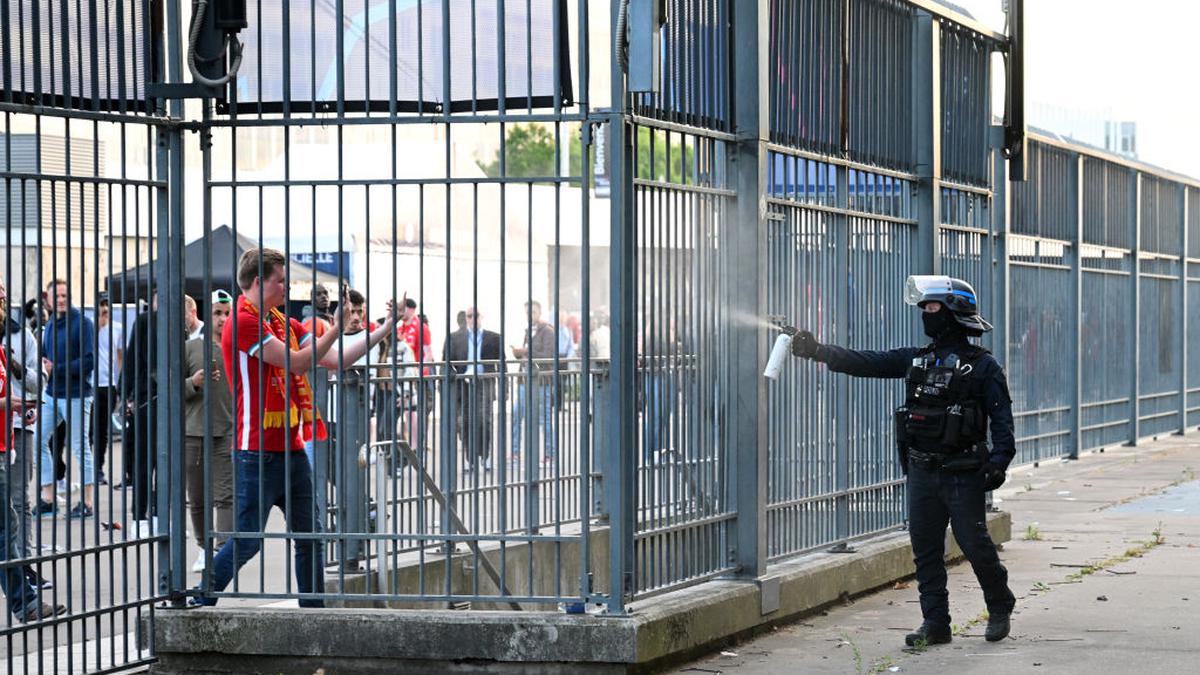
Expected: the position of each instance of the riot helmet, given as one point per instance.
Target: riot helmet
(955, 295)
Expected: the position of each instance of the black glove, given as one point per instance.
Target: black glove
(993, 476)
(804, 345)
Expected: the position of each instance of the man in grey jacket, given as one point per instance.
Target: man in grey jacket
(208, 375)
(541, 342)
(25, 378)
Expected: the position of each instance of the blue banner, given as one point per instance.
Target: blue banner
(327, 262)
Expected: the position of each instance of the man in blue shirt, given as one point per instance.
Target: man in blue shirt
(68, 346)
(474, 353)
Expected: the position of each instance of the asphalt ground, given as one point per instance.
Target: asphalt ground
(1104, 561)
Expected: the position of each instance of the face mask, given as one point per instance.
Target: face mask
(938, 324)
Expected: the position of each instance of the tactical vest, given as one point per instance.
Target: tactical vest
(943, 411)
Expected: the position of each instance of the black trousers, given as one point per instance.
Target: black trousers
(936, 497)
(102, 405)
(473, 401)
(145, 460)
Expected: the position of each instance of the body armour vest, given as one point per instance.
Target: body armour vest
(943, 411)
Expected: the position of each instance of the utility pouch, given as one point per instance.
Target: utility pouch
(971, 459)
(973, 427)
(925, 426)
(899, 424)
(952, 432)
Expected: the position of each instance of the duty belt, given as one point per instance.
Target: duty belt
(931, 461)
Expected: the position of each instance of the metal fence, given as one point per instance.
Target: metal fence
(84, 160)
(792, 160)
(1098, 342)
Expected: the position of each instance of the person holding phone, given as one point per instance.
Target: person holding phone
(207, 378)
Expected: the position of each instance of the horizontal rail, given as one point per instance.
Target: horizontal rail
(806, 206)
(1097, 404)
(685, 129)
(1042, 411)
(362, 119)
(839, 161)
(1104, 425)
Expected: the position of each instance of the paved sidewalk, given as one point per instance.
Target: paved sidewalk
(1104, 562)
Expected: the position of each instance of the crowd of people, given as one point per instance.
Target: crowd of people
(258, 385)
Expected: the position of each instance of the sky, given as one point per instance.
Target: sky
(1135, 60)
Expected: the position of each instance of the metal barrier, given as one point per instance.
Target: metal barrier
(1099, 353)
(84, 157)
(795, 159)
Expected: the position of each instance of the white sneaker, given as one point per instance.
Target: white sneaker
(145, 528)
(198, 566)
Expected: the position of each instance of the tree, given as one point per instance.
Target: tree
(530, 153)
(529, 149)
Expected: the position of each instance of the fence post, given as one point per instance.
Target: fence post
(621, 446)
(927, 139)
(1001, 215)
(1136, 307)
(1077, 318)
(169, 498)
(1183, 309)
(841, 401)
(746, 434)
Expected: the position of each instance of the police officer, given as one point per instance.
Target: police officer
(955, 391)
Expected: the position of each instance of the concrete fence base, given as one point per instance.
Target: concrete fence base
(658, 631)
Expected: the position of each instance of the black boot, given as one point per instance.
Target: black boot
(929, 634)
(998, 627)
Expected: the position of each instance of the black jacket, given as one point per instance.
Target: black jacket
(894, 364)
(489, 350)
(138, 379)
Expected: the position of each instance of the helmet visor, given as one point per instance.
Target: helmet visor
(923, 287)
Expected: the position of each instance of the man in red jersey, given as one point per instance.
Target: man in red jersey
(267, 355)
(414, 330)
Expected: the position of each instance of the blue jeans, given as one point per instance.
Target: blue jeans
(660, 409)
(20, 593)
(267, 468)
(544, 392)
(935, 497)
(76, 413)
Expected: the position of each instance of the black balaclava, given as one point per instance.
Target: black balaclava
(942, 326)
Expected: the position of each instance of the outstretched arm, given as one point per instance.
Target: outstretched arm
(355, 349)
(893, 363)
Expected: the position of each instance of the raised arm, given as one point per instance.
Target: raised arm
(355, 350)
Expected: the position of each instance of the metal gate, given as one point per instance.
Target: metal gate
(590, 238)
(84, 156)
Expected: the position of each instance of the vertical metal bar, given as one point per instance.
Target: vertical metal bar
(841, 226)
(1076, 309)
(172, 551)
(927, 129)
(1183, 307)
(748, 391)
(1001, 219)
(623, 422)
(1135, 222)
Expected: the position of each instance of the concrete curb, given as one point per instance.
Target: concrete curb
(658, 631)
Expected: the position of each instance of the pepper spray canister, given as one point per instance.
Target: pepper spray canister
(782, 348)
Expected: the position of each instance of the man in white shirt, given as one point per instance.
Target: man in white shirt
(110, 352)
(349, 422)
